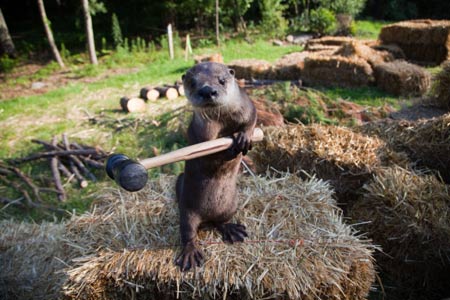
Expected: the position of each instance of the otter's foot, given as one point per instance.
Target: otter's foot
(241, 143)
(232, 233)
(190, 257)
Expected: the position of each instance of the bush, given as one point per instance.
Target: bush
(348, 7)
(322, 21)
(272, 22)
(7, 64)
(116, 31)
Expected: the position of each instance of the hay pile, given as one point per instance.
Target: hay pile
(427, 142)
(337, 154)
(330, 41)
(358, 49)
(402, 78)
(298, 247)
(425, 41)
(337, 71)
(251, 69)
(29, 260)
(408, 215)
(441, 87)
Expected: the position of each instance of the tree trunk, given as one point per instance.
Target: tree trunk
(6, 43)
(217, 24)
(49, 33)
(89, 32)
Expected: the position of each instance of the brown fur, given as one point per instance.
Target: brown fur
(206, 192)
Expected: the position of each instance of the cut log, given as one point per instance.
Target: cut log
(168, 92)
(132, 104)
(149, 93)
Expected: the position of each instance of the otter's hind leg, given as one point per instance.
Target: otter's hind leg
(232, 233)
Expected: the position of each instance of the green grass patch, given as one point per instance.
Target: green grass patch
(369, 96)
(369, 29)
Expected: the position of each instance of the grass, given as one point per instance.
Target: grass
(95, 94)
(369, 29)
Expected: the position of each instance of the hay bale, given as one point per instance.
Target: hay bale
(290, 66)
(29, 260)
(427, 142)
(321, 48)
(408, 215)
(426, 41)
(285, 254)
(402, 78)
(393, 49)
(215, 57)
(441, 87)
(330, 41)
(345, 158)
(251, 69)
(358, 49)
(299, 247)
(337, 71)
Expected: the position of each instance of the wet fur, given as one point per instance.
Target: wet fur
(206, 192)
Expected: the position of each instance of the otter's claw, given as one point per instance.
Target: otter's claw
(190, 257)
(232, 233)
(241, 143)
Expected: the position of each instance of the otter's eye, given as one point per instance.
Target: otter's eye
(222, 81)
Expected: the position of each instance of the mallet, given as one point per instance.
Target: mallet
(132, 175)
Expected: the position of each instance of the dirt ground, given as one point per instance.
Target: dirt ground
(56, 80)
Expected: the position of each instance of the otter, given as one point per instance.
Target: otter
(206, 191)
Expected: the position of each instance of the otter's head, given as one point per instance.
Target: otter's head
(209, 85)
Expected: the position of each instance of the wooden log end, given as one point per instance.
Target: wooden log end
(132, 104)
(171, 93)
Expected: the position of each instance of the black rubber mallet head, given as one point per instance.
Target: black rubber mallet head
(132, 175)
(127, 173)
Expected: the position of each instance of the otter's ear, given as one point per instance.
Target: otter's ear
(231, 71)
(183, 76)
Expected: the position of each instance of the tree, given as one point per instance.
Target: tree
(6, 43)
(49, 33)
(89, 32)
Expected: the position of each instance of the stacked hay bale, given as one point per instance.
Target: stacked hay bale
(251, 69)
(441, 87)
(402, 78)
(408, 215)
(426, 41)
(337, 154)
(427, 142)
(282, 258)
(359, 49)
(298, 247)
(337, 71)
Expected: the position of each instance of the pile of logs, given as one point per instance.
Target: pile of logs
(66, 159)
(137, 104)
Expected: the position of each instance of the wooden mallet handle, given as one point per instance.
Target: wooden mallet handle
(132, 175)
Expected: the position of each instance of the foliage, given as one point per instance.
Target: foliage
(96, 6)
(350, 7)
(322, 21)
(7, 64)
(116, 31)
(272, 21)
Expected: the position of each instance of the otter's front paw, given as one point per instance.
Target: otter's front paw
(241, 143)
(190, 257)
(232, 233)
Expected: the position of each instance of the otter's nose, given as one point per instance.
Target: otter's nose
(208, 92)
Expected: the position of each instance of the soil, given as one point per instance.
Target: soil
(417, 112)
(40, 86)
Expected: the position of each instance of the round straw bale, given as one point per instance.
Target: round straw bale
(334, 153)
(408, 215)
(426, 41)
(441, 87)
(298, 247)
(337, 71)
(251, 69)
(427, 142)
